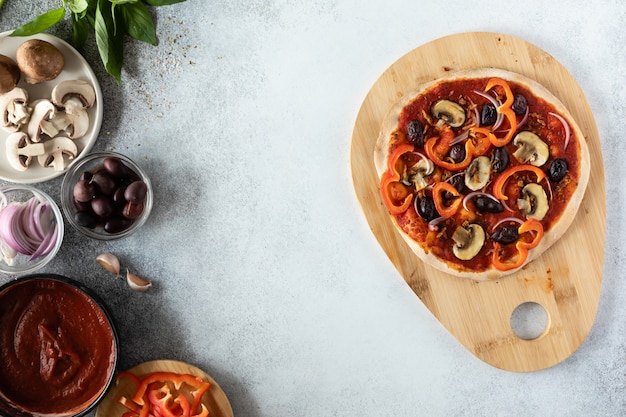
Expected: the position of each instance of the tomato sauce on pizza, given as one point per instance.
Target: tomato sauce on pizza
(480, 170)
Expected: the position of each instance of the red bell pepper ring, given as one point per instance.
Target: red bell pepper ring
(446, 211)
(429, 148)
(483, 138)
(396, 196)
(154, 397)
(531, 225)
(177, 379)
(504, 109)
(498, 184)
(437, 148)
(522, 247)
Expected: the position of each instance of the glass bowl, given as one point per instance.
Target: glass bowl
(119, 217)
(67, 355)
(31, 229)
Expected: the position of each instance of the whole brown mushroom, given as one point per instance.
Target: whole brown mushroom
(9, 74)
(39, 61)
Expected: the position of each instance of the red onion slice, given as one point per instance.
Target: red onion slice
(506, 220)
(29, 227)
(473, 194)
(460, 138)
(433, 224)
(565, 126)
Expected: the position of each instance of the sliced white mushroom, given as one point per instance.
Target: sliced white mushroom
(74, 97)
(478, 173)
(15, 110)
(530, 149)
(40, 120)
(80, 90)
(533, 201)
(56, 150)
(416, 174)
(20, 150)
(469, 240)
(450, 112)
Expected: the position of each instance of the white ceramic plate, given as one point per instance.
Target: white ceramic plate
(75, 68)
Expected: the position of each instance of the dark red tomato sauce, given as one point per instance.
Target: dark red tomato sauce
(539, 120)
(57, 347)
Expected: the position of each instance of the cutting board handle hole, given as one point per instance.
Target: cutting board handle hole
(529, 321)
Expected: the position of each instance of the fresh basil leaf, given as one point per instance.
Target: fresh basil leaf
(80, 30)
(124, 1)
(40, 23)
(1, 3)
(138, 22)
(162, 2)
(110, 44)
(77, 6)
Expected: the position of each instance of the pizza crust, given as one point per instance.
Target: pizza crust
(390, 123)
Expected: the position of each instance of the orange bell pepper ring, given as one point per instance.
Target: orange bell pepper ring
(531, 225)
(498, 184)
(450, 166)
(483, 138)
(504, 109)
(522, 247)
(446, 211)
(396, 196)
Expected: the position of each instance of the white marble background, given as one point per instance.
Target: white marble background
(266, 273)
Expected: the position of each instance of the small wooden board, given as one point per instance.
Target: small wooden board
(565, 280)
(215, 399)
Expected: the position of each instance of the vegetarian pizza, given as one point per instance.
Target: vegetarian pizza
(481, 171)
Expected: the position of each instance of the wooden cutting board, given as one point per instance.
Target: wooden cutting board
(565, 280)
(215, 399)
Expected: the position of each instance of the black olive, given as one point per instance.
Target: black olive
(488, 205)
(557, 170)
(519, 104)
(426, 208)
(415, 133)
(488, 115)
(500, 159)
(458, 182)
(505, 235)
(457, 152)
(85, 219)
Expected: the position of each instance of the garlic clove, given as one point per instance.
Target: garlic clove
(137, 283)
(109, 262)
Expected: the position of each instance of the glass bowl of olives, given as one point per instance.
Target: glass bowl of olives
(106, 196)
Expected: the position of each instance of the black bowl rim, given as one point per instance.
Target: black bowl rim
(105, 310)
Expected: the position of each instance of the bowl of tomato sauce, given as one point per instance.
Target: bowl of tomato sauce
(58, 348)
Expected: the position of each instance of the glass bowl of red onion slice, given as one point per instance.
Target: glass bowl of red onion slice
(31, 229)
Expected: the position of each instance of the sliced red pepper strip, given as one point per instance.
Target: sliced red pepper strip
(531, 225)
(203, 413)
(128, 403)
(522, 247)
(508, 94)
(392, 190)
(184, 405)
(504, 109)
(482, 140)
(450, 166)
(498, 184)
(177, 379)
(522, 255)
(446, 211)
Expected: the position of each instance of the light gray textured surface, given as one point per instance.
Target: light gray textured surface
(266, 273)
